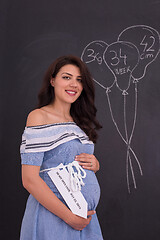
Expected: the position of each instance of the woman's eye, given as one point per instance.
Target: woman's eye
(66, 77)
(79, 79)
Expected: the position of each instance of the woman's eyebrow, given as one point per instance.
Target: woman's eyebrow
(70, 74)
(67, 73)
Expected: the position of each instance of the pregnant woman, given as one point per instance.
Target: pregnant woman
(61, 130)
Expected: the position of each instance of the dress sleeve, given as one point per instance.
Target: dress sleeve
(35, 158)
(29, 155)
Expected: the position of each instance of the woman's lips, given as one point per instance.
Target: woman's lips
(71, 93)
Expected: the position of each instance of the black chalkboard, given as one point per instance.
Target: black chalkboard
(120, 43)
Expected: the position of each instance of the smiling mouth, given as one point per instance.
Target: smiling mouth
(71, 93)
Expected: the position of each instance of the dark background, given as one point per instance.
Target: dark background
(32, 35)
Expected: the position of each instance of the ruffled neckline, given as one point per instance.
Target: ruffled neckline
(51, 124)
(48, 136)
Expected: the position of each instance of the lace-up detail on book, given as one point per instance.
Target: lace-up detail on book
(76, 173)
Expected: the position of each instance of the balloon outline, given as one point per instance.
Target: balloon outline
(127, 139)
(148, 28)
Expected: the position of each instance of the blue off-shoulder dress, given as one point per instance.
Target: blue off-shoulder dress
(47, 146)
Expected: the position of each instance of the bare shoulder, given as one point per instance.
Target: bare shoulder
(35, 118)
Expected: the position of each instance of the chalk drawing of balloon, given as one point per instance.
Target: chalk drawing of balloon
(121, 58)
(147, 40)
(92, 55)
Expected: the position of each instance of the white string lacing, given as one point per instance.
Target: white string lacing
(76, 174)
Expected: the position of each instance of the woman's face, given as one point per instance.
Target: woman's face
(67, 84)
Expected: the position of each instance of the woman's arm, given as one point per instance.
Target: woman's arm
(88, 161)
(35, 185)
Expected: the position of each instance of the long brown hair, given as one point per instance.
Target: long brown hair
(83, 110)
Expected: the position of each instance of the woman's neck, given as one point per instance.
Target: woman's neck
(59, 111)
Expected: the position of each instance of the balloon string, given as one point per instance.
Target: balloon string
(111, 112)
(134, 123)
(126, 141)
(131, 136)
(128, 158)
(129, 142)
(108, 88)
(126, 133)
(124, 92)
(100, 84)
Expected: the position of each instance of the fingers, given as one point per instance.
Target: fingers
(87, 165)
(84, 157)
(80, 223)
(88, 161)
(89, 168)
(92, 212)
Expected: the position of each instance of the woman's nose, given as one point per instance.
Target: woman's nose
(74, 82)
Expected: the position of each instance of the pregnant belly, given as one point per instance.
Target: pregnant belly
(91, 190)
(91, 193)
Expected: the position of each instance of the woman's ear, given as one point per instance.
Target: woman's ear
(52, 82)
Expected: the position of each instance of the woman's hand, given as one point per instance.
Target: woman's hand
(88, 161)
(78, 223)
